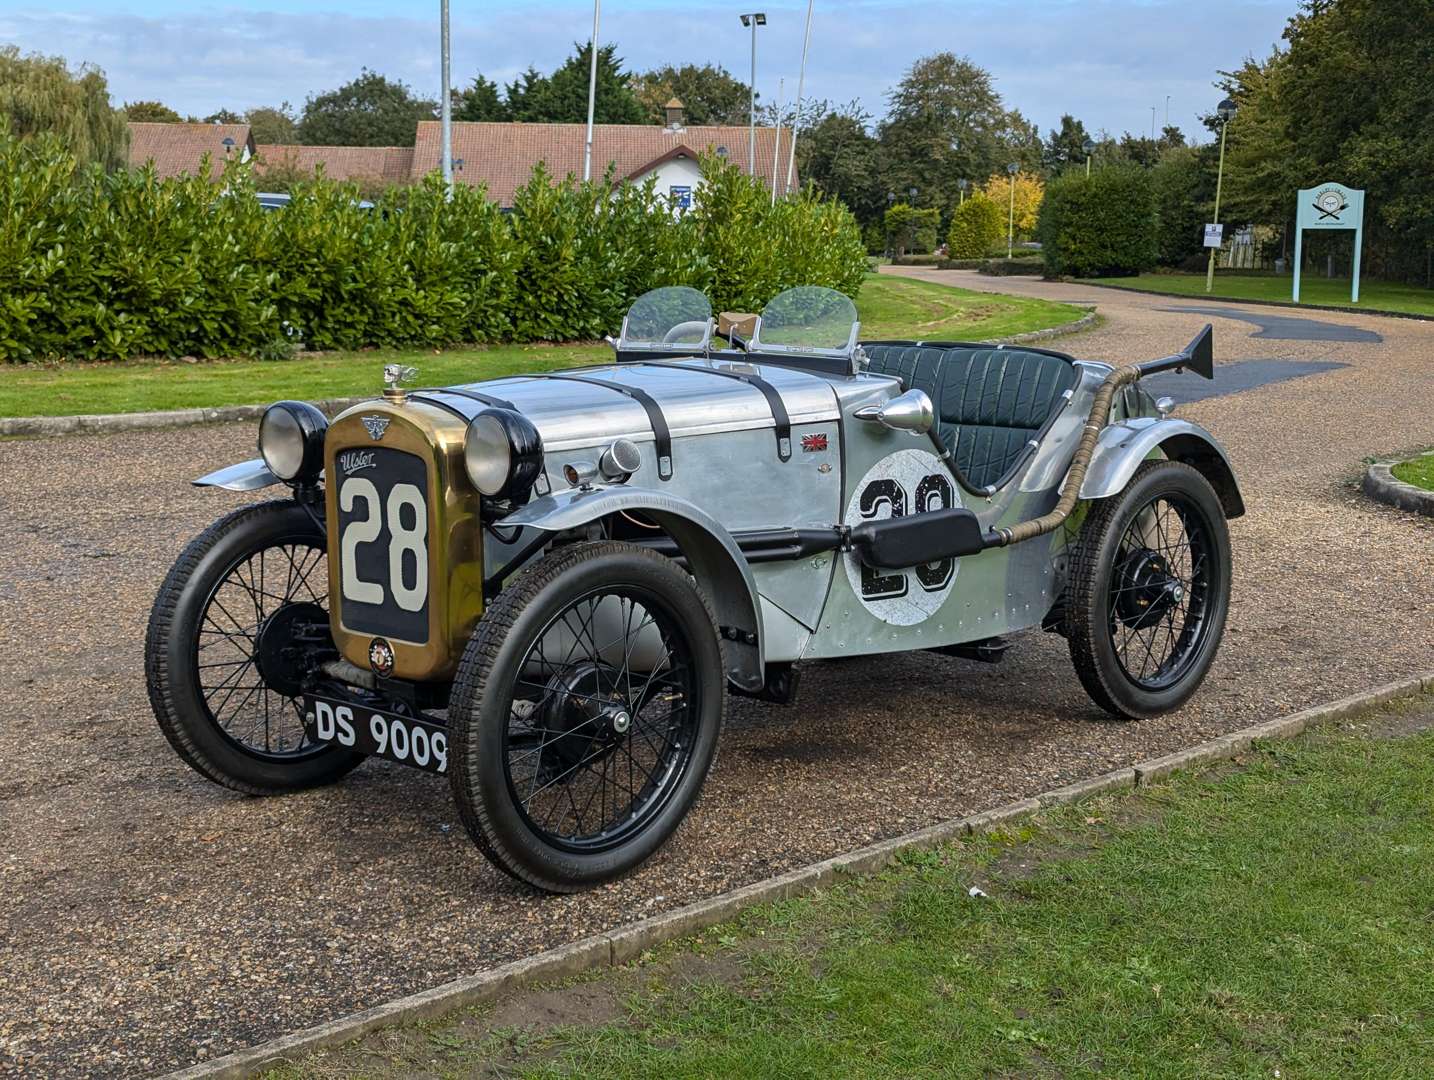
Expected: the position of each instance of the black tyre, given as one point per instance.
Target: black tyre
(585, 715)
(1149, 591)
(224, 652)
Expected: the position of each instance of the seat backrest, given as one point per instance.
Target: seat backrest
(989, 402)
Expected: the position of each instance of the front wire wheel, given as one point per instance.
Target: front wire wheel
(585, 715)
(1149, 591)
(231, 636)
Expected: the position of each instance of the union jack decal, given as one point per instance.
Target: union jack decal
(812, 444)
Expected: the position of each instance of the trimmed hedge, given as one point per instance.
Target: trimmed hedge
(1101, 225)
(910, 230)
(977, 226)
(110, 266)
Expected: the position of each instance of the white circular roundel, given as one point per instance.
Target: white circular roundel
(903, 483)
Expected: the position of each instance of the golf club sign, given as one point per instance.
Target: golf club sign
(1330, 206)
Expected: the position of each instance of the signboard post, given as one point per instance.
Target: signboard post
(1330, 206)
(1214, 235)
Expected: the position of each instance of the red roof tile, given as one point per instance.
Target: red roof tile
(389, 164)
(176, 149)
(502, 155)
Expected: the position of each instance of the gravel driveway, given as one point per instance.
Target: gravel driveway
(149, 918)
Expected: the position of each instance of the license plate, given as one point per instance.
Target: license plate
(377, 732)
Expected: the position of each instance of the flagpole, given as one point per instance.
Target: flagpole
(592, 94)
(777, 144)
(797, 109)
(446, 109)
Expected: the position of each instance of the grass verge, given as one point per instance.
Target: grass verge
(1314, 291)
(1418, 471)
(889, 308)
(1269, 917)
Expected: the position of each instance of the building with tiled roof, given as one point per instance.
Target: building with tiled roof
(501, 156)
(177, 149)
(376, 164)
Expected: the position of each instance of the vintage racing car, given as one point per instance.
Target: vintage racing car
(543, 586)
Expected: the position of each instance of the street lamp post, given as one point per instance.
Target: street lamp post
(1012, 168)
(592, 94)
(753, 19)
(1226, 110)
(1089, 147)
(961, 190)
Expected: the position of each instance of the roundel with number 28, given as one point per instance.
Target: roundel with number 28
(906, 482)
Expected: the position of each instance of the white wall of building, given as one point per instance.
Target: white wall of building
(679, 173)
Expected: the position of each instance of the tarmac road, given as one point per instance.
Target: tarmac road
(149, 918)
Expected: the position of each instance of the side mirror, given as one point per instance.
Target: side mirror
(911, 411)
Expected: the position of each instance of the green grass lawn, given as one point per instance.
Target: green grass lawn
(889, 308)
(1267, 918)
(1315, 291)
(1418, 471)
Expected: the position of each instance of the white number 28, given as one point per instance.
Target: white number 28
(403, 539)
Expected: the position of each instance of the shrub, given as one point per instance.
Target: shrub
(96, 266)
(1180, 206)
(976, 227)
(911, 230)
(1103, 224)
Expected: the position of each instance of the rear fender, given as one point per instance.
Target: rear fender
(1123, 446)
(713, 557)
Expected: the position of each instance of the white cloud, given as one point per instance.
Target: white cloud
(1107, 62)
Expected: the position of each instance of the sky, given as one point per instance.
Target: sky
(1107, 62)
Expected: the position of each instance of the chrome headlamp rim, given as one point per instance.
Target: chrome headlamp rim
(291, 440)
(503, 454)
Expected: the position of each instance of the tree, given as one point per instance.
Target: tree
(708, 93)
(840, 157)
(41, 95)
(1184, 184)
(562, 97)
(1028, 194)
(273, 125)
(945, 122)
(909, 230)
(369, 111)
(1021, 142)
(480, 100)
(223, 116)
(1100, 224)
(150, 112)
(1066, 146)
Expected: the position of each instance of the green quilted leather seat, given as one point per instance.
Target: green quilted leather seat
(989, 402)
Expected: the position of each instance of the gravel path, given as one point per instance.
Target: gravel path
(148, 918)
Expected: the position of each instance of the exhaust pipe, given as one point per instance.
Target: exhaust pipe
(1198, 356)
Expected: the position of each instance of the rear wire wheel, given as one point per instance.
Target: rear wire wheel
(1149, 591)
(586, 715)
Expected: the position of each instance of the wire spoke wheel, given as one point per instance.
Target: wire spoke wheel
(235, 633)
(259, 616)
(1160, 591)
(1149, 591)
(602, 720)
(585, 714)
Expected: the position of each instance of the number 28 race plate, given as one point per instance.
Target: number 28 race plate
(378, 733)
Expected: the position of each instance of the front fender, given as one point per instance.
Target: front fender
(712, 556)
(246, 476)
(1121, 447)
